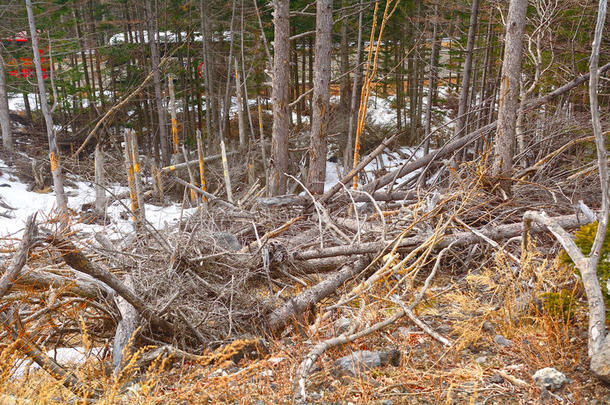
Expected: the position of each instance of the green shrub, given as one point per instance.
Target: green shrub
(584, 238)
(559, 304)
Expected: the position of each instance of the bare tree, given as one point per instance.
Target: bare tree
(5, 121)
(509, 92)
(597, 310)
(463, 104)
(431, 81)
(58, 185)
(321, 97)
(353, 113)
(154, 55)
(598, 342)
(280, 97)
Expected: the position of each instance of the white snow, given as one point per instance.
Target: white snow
(15, 194)
(62, 355)
(16, 102)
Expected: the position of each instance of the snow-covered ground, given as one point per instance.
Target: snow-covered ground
(15, 194)
(389, 160)
(21, 203)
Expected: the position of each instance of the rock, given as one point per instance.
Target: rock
(363, 360)
(481, 360)
(549, 378)
(502, 341)
(342, 325)
(275, 360)
(496, 379)
(226, 241)
(488, 327)
(387, 402)
(402, 332)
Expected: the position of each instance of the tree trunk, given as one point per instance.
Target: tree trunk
(321, 97)
(154, 54)
(208, 83)
(355, 100)
(509, 93)
(431, 82)
(240, 112)
(463, 103)
(100, 191)
(5, 121)
(280, 97)
(58, 185)
(398, 52)
(345, 90)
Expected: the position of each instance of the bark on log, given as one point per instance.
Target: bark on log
(281, 316)
(130, 320)
(83, 288)
(461, 239)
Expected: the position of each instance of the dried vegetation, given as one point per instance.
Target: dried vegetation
(255, 302)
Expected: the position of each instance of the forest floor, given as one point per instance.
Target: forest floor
(490, 302)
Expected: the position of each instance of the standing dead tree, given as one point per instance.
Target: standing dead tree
(598, 341)
(58, 185)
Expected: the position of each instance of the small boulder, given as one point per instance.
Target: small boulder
(363, 360)
(496, 379)
(226, 241)
(342, 325)
(488, 327)
(502, 341)
(549, 378)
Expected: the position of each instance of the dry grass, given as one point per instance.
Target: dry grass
(463, 306)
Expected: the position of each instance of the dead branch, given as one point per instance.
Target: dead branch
(597, 312)
(210, 196)
(194, 162)
(294, 307)
(346, 179)
(456, 144)
(69, 380)
(498, 232)
(20, 257)
(78, 261)
(130, 320)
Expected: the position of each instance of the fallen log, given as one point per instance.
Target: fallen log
(445, 150)
(74, 258)
(296, 306)
(195, 162)
(498, 232)
(20, 257)
(74, 285)
(459, 143)
(298, 200)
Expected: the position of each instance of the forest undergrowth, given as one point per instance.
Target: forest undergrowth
(492, 313)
